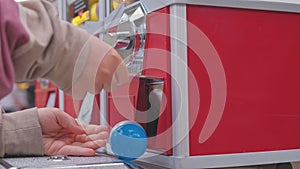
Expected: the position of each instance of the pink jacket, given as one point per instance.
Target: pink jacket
(34, 44)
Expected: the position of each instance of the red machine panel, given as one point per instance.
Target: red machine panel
(259, 51)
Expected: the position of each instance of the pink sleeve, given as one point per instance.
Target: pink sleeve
(12, 36)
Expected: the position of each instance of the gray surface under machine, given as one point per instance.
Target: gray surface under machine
(55, 162)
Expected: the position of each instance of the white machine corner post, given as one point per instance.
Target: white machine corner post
(179, 73)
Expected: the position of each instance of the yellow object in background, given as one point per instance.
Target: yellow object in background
(94, 14)
(89, 15)
(22, 86)
(116, 3)
(85, 16)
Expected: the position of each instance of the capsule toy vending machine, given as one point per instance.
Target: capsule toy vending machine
(213, 83)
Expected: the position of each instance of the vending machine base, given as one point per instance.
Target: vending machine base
(70, 162)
